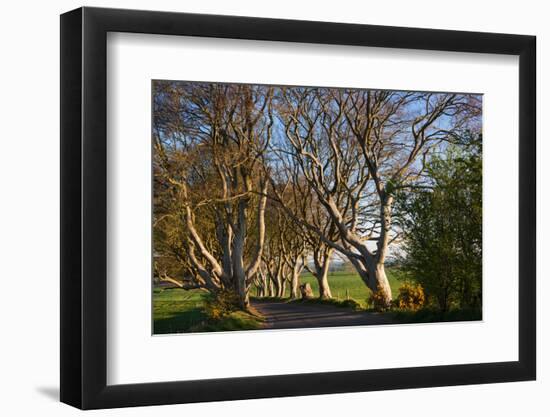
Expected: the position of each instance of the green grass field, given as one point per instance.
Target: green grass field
(348, 284)
(179, 311)
(176, 310)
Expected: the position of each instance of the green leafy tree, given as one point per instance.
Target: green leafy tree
(443, 228)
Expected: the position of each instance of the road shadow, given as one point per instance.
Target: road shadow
(284, 315)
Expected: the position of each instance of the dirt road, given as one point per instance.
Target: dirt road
(283, 315)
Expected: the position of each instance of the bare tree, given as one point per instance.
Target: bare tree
(210, 142)
(283, 256)
(356, 149)
(300, 203)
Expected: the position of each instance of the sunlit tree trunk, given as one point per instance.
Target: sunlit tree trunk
(322, 264)
(295, 281)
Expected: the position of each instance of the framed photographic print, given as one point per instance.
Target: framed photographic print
(257, 208)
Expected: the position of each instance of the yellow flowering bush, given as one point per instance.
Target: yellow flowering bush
(411, 297)
(221, 304)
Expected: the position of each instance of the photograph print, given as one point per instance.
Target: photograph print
(280, 207)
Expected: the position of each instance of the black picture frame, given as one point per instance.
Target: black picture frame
(84, 207)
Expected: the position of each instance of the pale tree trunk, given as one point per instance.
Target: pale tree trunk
(321, 261)
(271, 288)
(322, 280)
(243, 275)
(258, 285)
(242, 288)
(369, 266)
(295, 282)
(377, 271)
(380, 283)
(373, 275)
(262, 283)
(277, 284)
(237, 254)
(269, 274)
(275, 278)
(279, 279)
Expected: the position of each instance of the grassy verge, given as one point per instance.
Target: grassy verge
(427, 315)
(176, 310)
(237, 320)
(350, 303)
(179, 311)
